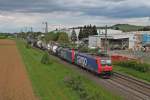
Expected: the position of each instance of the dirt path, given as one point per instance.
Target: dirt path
(14, 82)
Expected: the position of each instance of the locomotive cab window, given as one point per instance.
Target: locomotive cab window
(106, 61)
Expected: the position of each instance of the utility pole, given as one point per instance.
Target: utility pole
(46, 27)
(26, 29)
(99, 38)
(148, 20)
(31, 29)
(21, 31)
(106, 39)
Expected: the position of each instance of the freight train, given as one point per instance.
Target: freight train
(100, 65)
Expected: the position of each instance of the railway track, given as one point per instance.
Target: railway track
(131, 88)
(137, 87)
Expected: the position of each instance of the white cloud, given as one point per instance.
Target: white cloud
(71, 13)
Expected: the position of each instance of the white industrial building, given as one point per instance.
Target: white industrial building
(109, 31)
(118, 39)
(113, 41)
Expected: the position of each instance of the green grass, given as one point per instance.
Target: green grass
(141, 75)
(3, 37)
(135, 65)
(48, 80)
(6, 36)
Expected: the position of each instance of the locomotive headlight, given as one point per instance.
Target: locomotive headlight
(108, 62)
(103, 62)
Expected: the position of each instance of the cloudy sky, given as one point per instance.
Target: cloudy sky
(18, 14)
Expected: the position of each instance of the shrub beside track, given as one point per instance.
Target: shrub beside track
(141, 67)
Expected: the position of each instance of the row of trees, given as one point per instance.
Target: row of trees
(32, 35)
(146, 28)
(6, 35)
(86, 31)
(62, 37)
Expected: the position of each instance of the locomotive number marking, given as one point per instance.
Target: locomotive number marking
(82, 61)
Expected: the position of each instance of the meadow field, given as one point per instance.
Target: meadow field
(55, 81)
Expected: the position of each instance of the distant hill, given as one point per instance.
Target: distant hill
(124, 27)
(127, 27)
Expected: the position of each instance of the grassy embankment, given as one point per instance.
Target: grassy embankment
(49, 81)
(134, 70)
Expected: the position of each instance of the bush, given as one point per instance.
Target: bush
(83, 49)
(28, 46)
(45, 59)
(63, 37)
(142, 67)
(76, 84)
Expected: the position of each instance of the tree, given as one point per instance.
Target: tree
(45, 59)
(117, 28)
(86, 31)
(81, 35)
(90, 30)
(146, 28)
(73, 36)
(94, 30)
(51, 36)
(63, 37)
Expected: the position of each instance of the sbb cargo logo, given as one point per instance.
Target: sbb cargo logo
(82, 61)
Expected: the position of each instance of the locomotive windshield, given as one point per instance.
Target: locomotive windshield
(105, 61)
